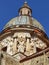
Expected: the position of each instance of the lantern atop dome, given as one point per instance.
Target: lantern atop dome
(25, 10)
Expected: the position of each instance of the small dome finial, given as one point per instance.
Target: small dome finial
(25, 2)
(25, 9)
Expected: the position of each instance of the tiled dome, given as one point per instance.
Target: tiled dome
(24, 20)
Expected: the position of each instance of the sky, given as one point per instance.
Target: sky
(40, 11)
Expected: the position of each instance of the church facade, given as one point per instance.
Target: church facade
(24, 41)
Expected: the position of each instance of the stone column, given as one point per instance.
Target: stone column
(34, 62)
(44, 58)
(27, 45)
(9, 48)
(34, 47)
(2, 59)
(15, 46)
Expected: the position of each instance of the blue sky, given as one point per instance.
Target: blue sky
(40, 11)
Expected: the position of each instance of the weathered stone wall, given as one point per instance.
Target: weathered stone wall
(41, 60)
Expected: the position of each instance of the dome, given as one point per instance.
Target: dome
(24, 20)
